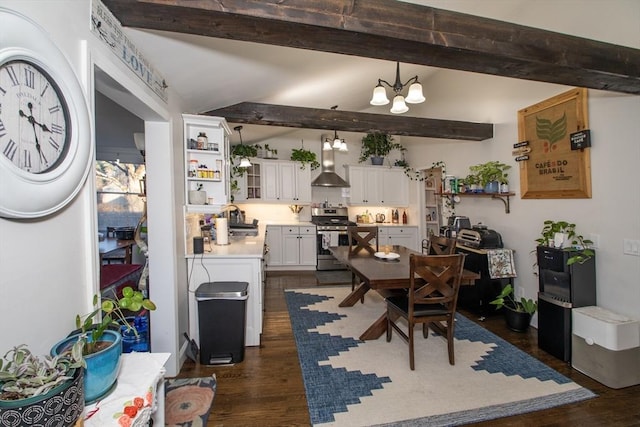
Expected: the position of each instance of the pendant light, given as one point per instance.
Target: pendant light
(244, 161)
(336, 143)
(399, 106)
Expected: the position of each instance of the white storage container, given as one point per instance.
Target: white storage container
(606, 346)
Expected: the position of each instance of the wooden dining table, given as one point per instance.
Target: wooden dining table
(111, 244)
(383, 276)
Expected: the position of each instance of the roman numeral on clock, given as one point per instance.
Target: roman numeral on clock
(56, 128)
(29, 78)
(44, 91)
(27, 159)
(54, 143)
(12, 75)
(10, 149)
(54, 109)
(3, 130)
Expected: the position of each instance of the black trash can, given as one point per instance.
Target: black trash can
(222, 308)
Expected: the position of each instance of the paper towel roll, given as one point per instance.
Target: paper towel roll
(222, 231)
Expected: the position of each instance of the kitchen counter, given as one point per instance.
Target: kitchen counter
(238, 247)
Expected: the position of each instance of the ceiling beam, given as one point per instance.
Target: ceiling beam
(348, 121)
(398, 31)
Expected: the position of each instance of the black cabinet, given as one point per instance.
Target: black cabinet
(476, 298)
(562, 287)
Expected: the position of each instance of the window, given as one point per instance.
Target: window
(118, 191)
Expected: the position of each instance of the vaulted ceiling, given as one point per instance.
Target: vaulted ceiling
(241, 55)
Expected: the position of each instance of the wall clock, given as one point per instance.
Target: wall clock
(45, 132)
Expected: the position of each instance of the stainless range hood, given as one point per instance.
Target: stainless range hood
(328, 177)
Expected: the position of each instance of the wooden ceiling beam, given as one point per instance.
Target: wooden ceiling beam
(398, 31)
(348, 121)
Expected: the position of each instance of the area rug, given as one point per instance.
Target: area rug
(350, 382)
(333, 277)
(188, 401)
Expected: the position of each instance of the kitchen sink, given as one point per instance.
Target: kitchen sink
(243, 231)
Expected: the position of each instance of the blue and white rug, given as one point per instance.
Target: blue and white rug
(350, 382)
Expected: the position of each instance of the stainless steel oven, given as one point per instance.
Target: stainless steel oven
(331, 225)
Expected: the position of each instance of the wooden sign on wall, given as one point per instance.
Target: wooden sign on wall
(553, 170)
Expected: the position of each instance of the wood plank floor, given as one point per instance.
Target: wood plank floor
(266, 389)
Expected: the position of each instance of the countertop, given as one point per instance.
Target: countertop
(238, 247)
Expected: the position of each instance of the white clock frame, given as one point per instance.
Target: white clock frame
(28, 195)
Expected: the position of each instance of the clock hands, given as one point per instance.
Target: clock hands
(33, 122)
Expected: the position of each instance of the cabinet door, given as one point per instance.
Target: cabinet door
(394, 188)
(303, 183)
(274, 242)
(364, 182)
(287, 181)
(270, 185)
(357, 183)
(291, 246)
(307, 246)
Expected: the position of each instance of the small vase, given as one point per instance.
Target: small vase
(377, 160)
(559, 240)
(504, 188)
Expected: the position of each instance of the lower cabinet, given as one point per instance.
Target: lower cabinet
(291, 247)
(222, 269)
(403, 236)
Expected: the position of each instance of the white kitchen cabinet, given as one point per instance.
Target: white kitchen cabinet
(377, 186)
(299, 245)
(206, 166)
(285, 181)
(431, 212)
(274, 243)
(406, 236)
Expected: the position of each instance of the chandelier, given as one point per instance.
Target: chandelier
(335, 143)
(244, 161)
(414, 96)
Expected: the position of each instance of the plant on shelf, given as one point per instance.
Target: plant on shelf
(489, 173)
(471, 182)
(558, 233)
(376, 145)
(270, 152)
(518, 313)
(305, 156)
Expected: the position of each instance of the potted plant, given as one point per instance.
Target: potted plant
(562, 234)
(270, 153)
(41, 390)
(305, 156)
(376, 145)
(491, 174)
(237, 153)
(197, 196)
(471, 182)
(517, 313)
(101, 342)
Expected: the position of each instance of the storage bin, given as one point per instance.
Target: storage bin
(222, 308)
(606, 346)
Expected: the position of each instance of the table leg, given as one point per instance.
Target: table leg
(355, 295)
(377, 328)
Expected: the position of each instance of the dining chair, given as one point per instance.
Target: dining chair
(440, 245)
(361, 238)
(431, 299)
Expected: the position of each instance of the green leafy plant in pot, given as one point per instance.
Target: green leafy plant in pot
(36, 390)
(517, 313)
(305, 157)
(562, 234)
(376, 145)
(491, 174)
(101, 342)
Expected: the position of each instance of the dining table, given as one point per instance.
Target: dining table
(383, 274)
(112, 244)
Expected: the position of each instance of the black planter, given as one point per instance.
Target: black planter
(517, 320)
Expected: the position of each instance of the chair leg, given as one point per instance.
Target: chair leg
(450, 328)
(389, 327)
(412, 364)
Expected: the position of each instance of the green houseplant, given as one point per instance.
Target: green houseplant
(101, 342)
(517, 313)
(305, 156)
(491, 174)
(558, 233)
(376, 145)
(31, 386)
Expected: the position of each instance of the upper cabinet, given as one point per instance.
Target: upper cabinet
(276, 181)
(378, 186)
(206, 167)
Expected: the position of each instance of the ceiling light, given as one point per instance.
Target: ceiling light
(399, 106)
(335, 143)
(244, 162)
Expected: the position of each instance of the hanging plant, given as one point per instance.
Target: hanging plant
(305, 156)
(377, 144)
(237, 153)
(408, 170)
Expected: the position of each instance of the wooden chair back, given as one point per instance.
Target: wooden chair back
(362, 238)
(440, 245)
(435, 280)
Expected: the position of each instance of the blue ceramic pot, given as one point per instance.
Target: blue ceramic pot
(377, 160)
(102, 367)
(492, 187)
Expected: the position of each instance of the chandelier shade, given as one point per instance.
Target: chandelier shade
(399, 106)
(244, 161)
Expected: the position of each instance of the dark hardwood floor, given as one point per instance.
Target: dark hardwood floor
(266, 389)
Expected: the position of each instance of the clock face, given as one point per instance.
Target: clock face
(34, 118)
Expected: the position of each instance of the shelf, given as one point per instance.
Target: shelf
(204, 179)
(216, 152)
(504, 197)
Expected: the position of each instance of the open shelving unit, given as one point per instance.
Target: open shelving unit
(504, 197)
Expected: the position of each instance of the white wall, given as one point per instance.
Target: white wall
(49, 267)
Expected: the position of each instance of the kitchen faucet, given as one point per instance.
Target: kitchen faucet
(228, 209)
